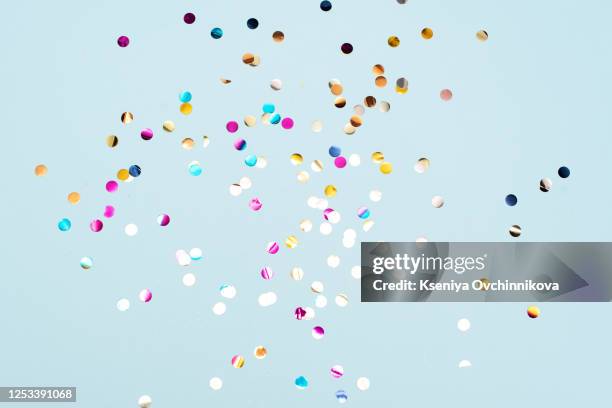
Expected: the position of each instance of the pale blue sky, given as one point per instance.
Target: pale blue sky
(534, 97)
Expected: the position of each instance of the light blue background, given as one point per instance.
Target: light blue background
(532, 98)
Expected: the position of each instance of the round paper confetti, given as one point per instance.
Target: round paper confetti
(252, 23)
(341, 396)
(363, 383)
(563, 172)
(482, 35)
(64, 225)
(189, 18)
(145, 295)
(123, 41)
(330, 191)
(144, 401)
(216, 33)
(341, 300)
(131, 230)
(189, 279)
(163, 220)
(266, 273)
(533, 312)
(318, 332)
(515, 231)
(272, 248)
(96, 225)
(301, 382)
(123, 305)
(74, 198)
(146, 134)
(446, 95)
(437, 201)
(219, 308)
(276, 84)
(112, 141)
(511, 200)
(238, 361)
(215, 383)
(168, 126)
(421, 165)
(227, 291)
(86, 262)
(112, 186)
(260, 352)
(333, 261)
(375, 195)
(267, 299)
(427, 33)
(545, 184)
(337, 371)
(317, 287)
(463, 325)
(186, 108)
(393, 41)
(195, 254)
(326, 5)
(346, 48)
(40, 170)
(297, 273)
(278, 36)
(386, 168)
(317, 126)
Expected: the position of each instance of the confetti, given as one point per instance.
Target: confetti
(320, 301)
(276, 84)
(317, 287)
(216, 33)
(465, 364)
(127, 117)
(215, 383)
(74, 198)
(144, 401)
(260, 352)
(545, 184)
(346, 48)
(86, 262)
(238, 361)
(266, 273)
(145, 295)
(437, 201)
(427, 33)
(482, 35)
(463, 325)
(301, 382)
(267, 299)
(515, 231)
(252, 23)
(123, 41)
(146, 134)
(278, 36)
(563, 172)
(169, 126)
(326, 5)
(533, 312)
(386, 168)
(123, 305)
(131, 230)
(219, 308)
(446, 95)
(393, 41)
(189, 279)
(337, 371)
(96, 225)
(341, 396)
(511, 200)
(227, 291)
(112, 141)
(341, 300)
(272, 248)
(363, 383)
(109, 211)
(297, 273)
(189, 18)
(318, 332)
